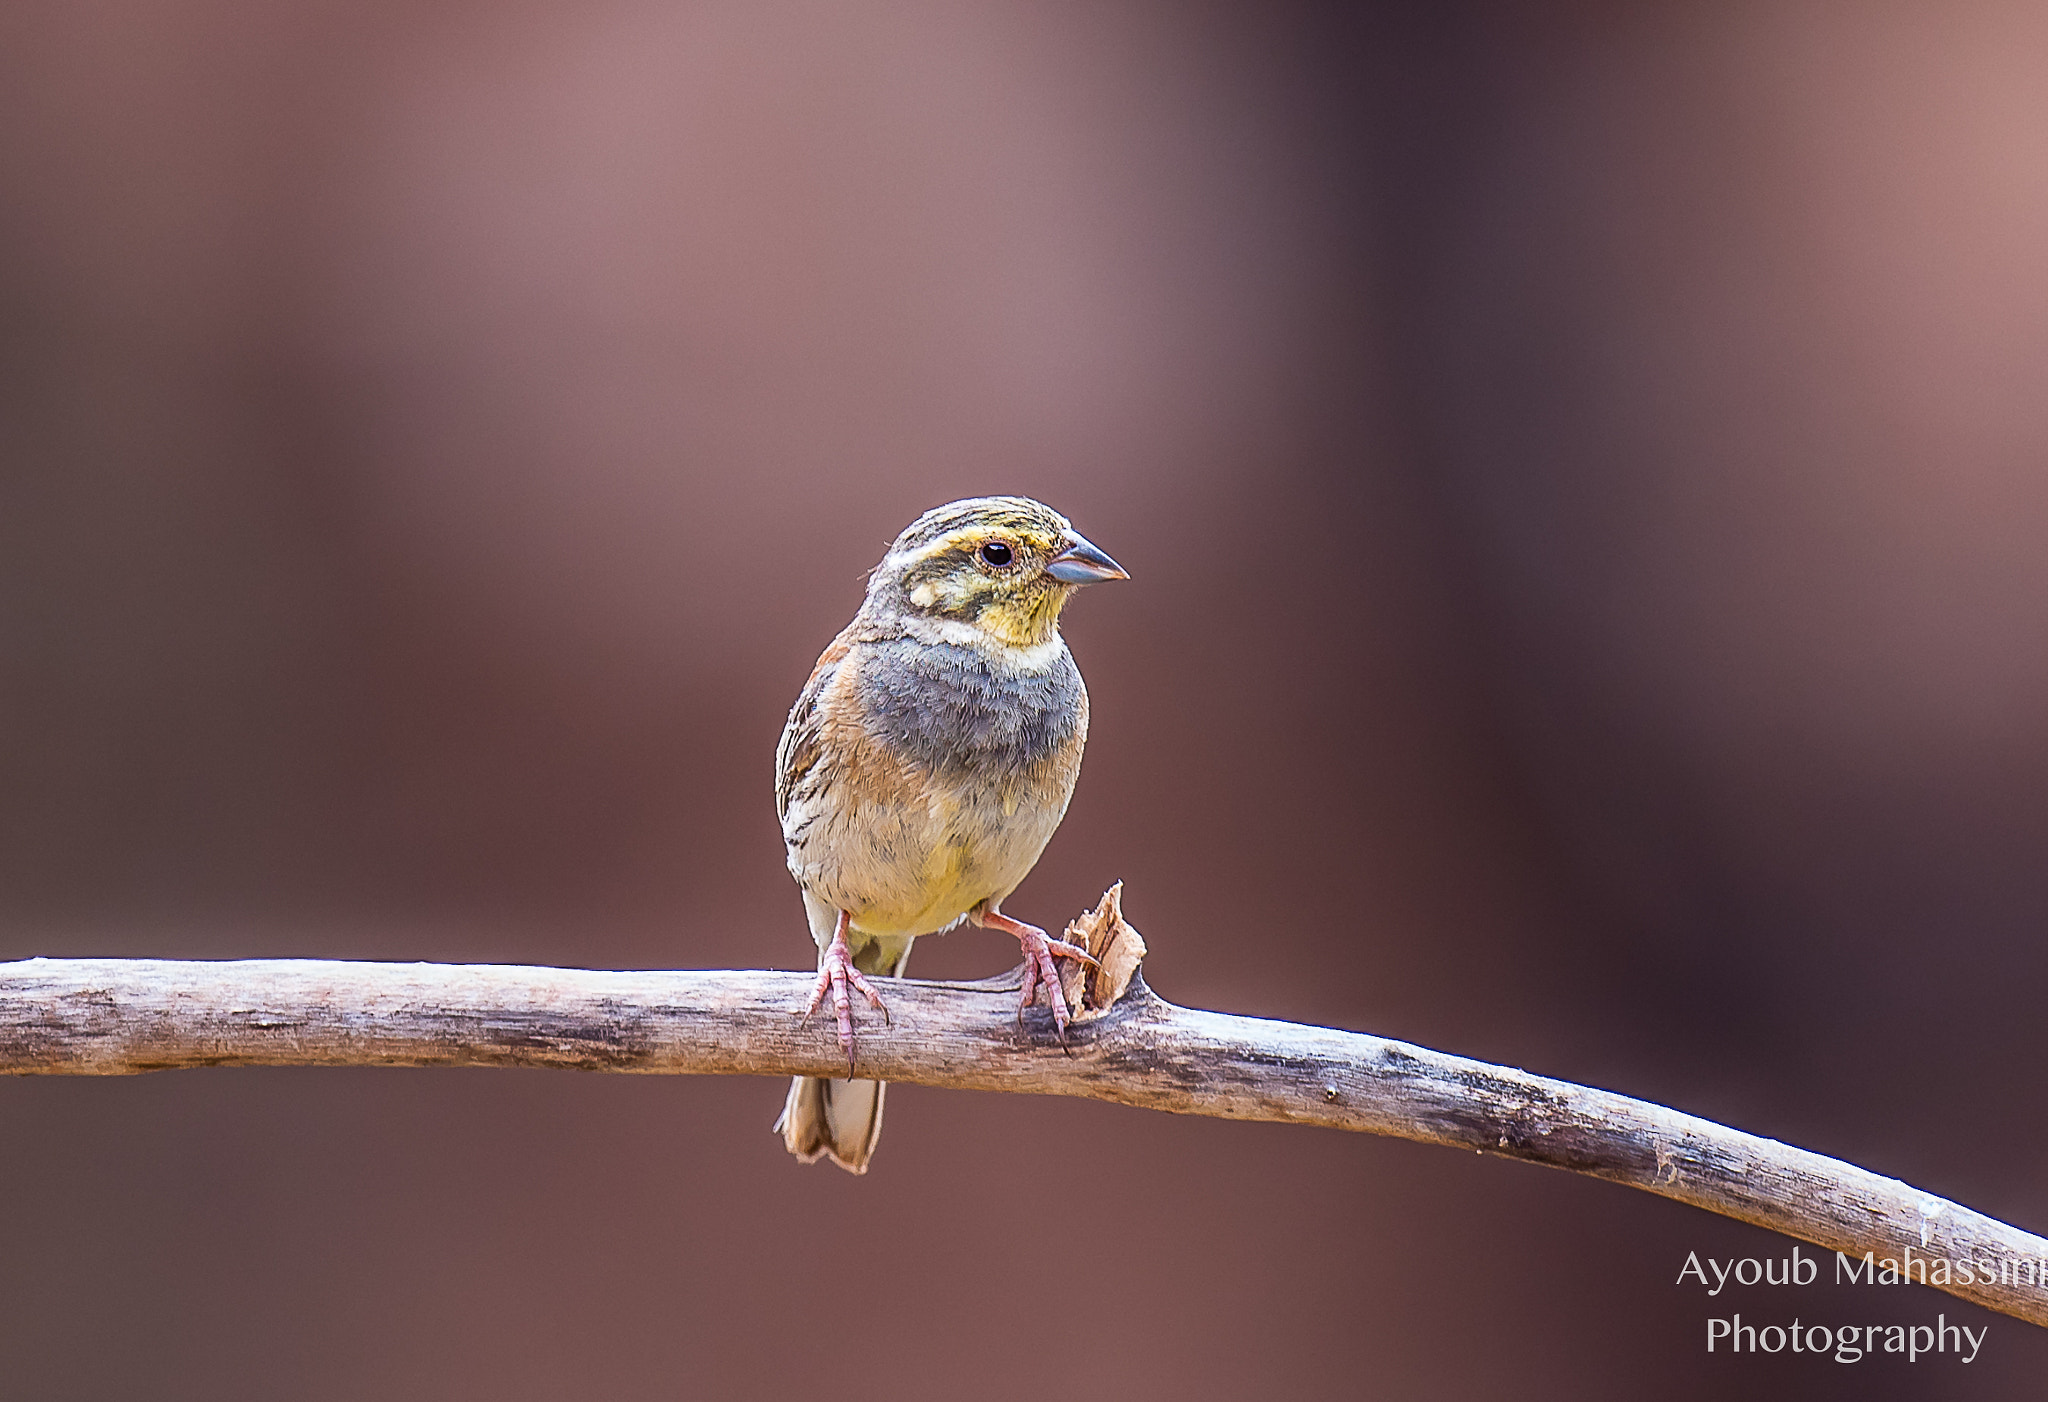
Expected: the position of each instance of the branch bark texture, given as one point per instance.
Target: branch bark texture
(110, 1017)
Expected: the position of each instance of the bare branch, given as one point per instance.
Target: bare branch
(109, 1017)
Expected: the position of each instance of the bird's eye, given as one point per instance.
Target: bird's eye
(997, 553)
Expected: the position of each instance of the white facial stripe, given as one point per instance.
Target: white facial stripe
(1035, 658)
(947, 630)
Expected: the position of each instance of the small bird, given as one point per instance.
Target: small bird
(924, 767)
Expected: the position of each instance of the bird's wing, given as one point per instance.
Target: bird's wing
(800, 745)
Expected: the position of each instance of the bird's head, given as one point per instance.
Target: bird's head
(1003, 566)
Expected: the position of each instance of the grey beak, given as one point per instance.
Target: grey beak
(1082, 563)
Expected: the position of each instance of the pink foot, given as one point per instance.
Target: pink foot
(1039, 968)
(835, 972)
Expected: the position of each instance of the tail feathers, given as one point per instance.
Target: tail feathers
(839, 1120)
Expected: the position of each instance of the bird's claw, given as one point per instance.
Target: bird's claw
(1040, 952)
(835, 972)
(1039, 968)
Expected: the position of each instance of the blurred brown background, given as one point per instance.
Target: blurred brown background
(1585, 469)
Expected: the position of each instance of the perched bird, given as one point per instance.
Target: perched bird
(924, 767)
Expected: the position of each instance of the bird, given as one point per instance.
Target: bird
(925, 765)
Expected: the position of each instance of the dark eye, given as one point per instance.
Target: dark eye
(997, 553)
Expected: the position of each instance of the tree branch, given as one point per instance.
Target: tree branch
(110, 1017)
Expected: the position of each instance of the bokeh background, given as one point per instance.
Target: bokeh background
(1585, 473)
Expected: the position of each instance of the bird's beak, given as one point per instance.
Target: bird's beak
(1082, 563)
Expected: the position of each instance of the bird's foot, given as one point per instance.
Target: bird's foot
(1040, 950)
(835, 972)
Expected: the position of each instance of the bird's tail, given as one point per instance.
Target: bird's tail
(841, 1119)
